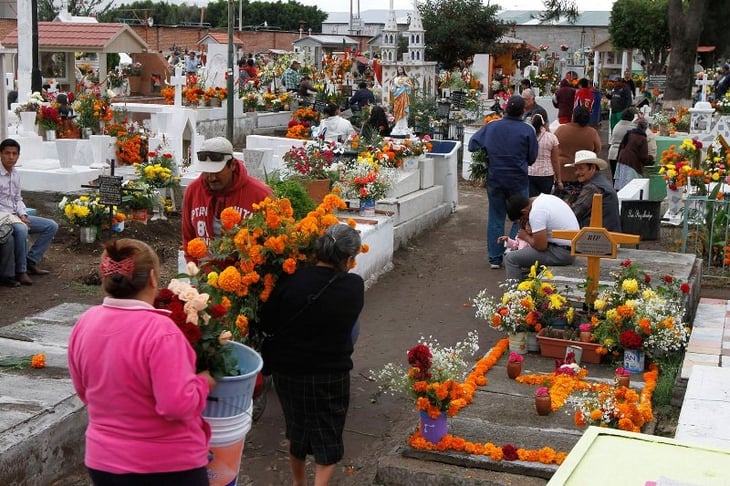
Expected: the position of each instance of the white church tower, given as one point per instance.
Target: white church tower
(416, 41)
(389, 45)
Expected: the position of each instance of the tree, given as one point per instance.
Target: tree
(456, 29)
(557, 9)
(685, 25)
(630, 29)
(82, 8)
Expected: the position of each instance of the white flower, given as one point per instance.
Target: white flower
(192, 269)
(224, 337)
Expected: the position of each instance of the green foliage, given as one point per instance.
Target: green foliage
(479, 167)
(669, 366)
(47, 11)
(557, 9)
(443, 18)
(629, 29)
(293, 190)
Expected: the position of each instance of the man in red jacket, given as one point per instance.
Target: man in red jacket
(223, 182)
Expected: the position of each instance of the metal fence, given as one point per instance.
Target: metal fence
(706, 233)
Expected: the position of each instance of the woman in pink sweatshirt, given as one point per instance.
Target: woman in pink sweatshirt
(135, 371)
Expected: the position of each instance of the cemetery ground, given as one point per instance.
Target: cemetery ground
(426, 294)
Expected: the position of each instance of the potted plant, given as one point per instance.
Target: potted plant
(433, 380)
(84, 212)
(365, 181)
(49, 120)
(542, 401)
(315, 164)
(514, 365)
(138, 198)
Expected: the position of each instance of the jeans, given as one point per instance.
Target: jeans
(516, 263)
(44, 228)
(6, 258)
(497, 197)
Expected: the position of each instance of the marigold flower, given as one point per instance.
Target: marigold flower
(38, 361)
(230, 217)
(197, 248)
(229, 280)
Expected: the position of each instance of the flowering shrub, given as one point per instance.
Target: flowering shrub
(83, 211)
(202, 323)
(529, 305)
(314, 159)
(433, 378)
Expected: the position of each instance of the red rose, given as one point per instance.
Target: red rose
(626, 263)
(647, 278)
(192, 332)
(668, 278)
(684, 288)
(217, 311)
(509, 452)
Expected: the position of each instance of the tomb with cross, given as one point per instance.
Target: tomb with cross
(178, 81)
(594, 242)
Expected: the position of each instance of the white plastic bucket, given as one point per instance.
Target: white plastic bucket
(228, 435)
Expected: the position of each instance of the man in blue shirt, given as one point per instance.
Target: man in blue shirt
(291, 77)
(511, 146)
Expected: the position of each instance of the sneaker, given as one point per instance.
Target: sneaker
(495, 266)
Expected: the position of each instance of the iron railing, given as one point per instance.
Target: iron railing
(706, 233)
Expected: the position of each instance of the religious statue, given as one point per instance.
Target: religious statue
(401, 93)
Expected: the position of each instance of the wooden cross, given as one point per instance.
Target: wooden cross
(703, 83)
(178, 80)
(594, 242)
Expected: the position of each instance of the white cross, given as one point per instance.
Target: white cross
(178, 80)
(703, 82)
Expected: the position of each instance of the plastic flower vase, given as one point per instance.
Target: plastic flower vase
(433, 430)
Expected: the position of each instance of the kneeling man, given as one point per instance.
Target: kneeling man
(544, 213)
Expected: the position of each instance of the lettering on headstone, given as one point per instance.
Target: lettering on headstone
(110, 190)
(657, 81)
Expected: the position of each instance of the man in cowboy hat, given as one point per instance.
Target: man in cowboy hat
(588, 173)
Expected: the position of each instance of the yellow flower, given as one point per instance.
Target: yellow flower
(213, 279)
(599, 304)
(630, 286)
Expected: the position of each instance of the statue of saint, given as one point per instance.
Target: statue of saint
(401, 93)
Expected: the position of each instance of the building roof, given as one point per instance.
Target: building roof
(372, 16)
(329, 40)
(70, 37)
(220, 38)
(592, 18)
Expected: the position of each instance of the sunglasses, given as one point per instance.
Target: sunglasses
(213, 156)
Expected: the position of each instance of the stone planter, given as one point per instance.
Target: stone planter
(555, 347)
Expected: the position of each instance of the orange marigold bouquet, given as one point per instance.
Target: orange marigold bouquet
(242, 266)
(436, 376)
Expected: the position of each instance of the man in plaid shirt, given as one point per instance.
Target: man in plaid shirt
(291, 77)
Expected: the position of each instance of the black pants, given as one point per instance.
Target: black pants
(191, 477)
(541, 185)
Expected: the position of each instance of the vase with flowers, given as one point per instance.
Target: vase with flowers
(622, 377)
(434, 379)
(531, 305)
(365, 180)
(514, 365)
(49, 120)
(586, 332)
(543, 404)
(28, 112)
(92, 109)
(85, 212)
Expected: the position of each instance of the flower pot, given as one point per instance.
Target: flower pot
(50, 135)
(367, 207)
(317, 189)
(215, 102)
(542, 405)
(433, 430)
(634, 360)
(518, 342)
(623, 380)
(141, 215)
(514, 368)
(586, 337)
(555, 347)
(87, 234)
(233, 395)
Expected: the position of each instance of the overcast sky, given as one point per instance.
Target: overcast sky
(344, 6)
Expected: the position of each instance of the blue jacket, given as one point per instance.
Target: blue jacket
(512, 146)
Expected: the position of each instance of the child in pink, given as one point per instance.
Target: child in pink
(516, 244)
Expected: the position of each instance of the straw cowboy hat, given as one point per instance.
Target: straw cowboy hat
(588, 157)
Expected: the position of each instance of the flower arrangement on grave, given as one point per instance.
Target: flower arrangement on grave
(300, 125)
(83, 211)
(365, 179)
(243, 265)
(92, 109)
(168, 93)
(133, 69)
(115, 79)
(682, 119)
(158, 170)
(33, 103)
(723, 105)
(268, 99)
(716, 164)
(525, 306)
(285, 98)
(682, 167)
(415, 146)
(203, 323)
(132, 142)
(631, 314)
(48, 117)
(435, 377)
(220, 93)
(315, 159)
(138, 195)
(336, 67)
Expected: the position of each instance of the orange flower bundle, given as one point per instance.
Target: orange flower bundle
(168, 92)
(244, 264)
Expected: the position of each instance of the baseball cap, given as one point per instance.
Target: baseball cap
(588, 157)
(213, 154)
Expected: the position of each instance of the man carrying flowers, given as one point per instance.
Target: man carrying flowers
(223, 182)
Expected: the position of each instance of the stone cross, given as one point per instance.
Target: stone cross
(594, 242)
(178, 80)
(703, 83)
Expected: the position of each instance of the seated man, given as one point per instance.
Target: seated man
(334, 126)
(362, 97)
(588, 173)
(11, 201)
(544, 213)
